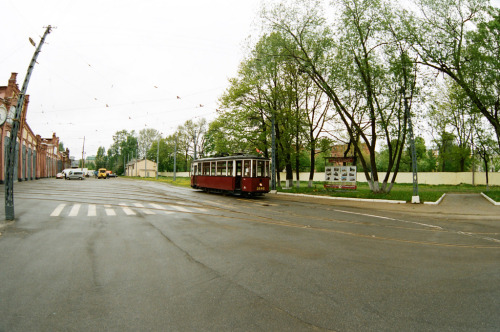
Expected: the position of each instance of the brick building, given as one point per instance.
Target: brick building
(37, 157)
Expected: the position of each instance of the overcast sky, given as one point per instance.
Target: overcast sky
(110, 65)
(113, 65)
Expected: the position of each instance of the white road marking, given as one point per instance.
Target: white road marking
(162, 208)
(156, 206)
(92, 211)
(57, 211)
(146, 211)
(388, 218)
(179, 208)
(127, 210)
(74, 210)
(109, 210)
(426, 225)
(479, 236)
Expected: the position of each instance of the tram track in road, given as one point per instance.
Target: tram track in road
(427, 226)
(271, 212)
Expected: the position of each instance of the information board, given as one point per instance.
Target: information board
(340, 174)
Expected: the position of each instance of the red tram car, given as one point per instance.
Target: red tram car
(237, 174)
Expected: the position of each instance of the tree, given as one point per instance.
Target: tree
(101, 159)
(123, 149)
(455, 38)
(361, 65)
(454, 113)
(271, 89)
(146, 139)
(190, 138)
(485, 147)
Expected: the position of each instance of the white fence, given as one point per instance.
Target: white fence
(451, 178)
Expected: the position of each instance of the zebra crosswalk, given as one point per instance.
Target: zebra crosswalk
(93, 210)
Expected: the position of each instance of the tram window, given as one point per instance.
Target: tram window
(267, 169)
(254, 168)
(206, 168)
(238, 168)
(230, 168)
(213, 168)
(261, 168)
(221, 168)
(195, 169)
(246, 167)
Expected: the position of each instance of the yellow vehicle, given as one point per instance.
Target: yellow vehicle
(102, 174)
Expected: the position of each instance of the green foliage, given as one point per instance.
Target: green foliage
(101, 160)
(123, 149)
(90, 165)
(362, 65)
(461, 39)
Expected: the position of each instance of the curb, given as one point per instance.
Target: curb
(345, 198)
(436, 202)
(489, 199)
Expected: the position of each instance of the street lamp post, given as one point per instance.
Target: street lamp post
(11, 150)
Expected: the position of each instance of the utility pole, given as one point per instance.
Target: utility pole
(407, 96)
(157, 157)
(83, 154)
(473, 163)
(415, 198)
(194, 156)
(11, 150)
(175, 158)
(273, 156)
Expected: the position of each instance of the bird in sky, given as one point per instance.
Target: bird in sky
(178, 97)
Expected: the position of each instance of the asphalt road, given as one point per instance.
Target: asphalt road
(125, 255)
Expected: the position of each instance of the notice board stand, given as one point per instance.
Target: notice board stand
(340, 173)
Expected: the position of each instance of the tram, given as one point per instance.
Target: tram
(246, 175)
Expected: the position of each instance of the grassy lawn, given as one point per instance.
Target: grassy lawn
(494, 194)
(400, 192)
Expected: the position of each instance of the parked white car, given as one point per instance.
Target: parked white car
(75, 175)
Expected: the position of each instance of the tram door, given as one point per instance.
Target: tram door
(237, 182)
(194, 175)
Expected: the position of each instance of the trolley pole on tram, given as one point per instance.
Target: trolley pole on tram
(11, 149)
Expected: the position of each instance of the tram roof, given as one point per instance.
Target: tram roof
(233, 157)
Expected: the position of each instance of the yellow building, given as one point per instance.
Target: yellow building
(141, 168)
